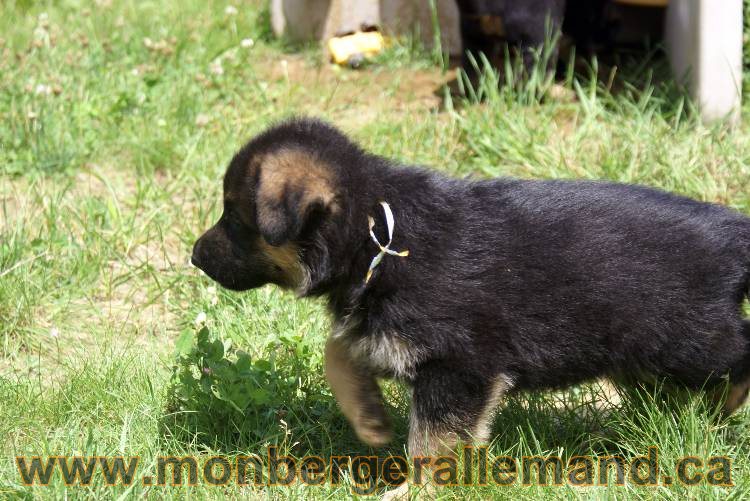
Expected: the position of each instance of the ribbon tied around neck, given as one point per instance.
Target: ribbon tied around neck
(384, 249)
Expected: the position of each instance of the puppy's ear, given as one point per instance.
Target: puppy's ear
(291, 187)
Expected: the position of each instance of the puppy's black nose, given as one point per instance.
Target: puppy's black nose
(195, 257)
(199, 253)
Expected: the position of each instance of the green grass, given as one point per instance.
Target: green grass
(116, 122)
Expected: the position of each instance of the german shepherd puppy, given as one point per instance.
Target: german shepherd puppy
(467, 290)
(525, 25)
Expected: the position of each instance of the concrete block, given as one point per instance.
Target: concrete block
(305, 20)
(704, 37)
(704, 41)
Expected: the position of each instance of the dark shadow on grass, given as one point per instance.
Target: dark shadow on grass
(576, 420)
(308, 420)
(587, 420)
(222, 400)
(580, 421)
(307, 423)
(639, 75)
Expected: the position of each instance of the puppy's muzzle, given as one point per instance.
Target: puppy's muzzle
(195, 260)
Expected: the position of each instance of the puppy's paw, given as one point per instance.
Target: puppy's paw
(400, 493)
(374, 431)
(562, 94)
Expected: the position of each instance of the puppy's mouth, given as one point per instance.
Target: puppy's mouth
(229, 279)
(195, 261)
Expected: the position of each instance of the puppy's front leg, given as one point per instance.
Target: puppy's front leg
(449, 405)
(358, 394)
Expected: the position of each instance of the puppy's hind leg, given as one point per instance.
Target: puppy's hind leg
(740, 384)
(358, 394)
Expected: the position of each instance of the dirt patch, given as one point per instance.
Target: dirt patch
(367, 92)
(124, 304)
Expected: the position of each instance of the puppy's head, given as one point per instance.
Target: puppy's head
(275, 199)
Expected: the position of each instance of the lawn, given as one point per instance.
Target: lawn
(117, 119)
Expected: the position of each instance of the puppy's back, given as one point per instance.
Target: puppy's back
(631, 276)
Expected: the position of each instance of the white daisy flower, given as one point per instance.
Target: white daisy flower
(200, 319)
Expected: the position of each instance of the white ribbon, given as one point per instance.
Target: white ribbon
(384, 249)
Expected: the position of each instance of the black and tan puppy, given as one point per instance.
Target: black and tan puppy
(508, 284)
(525, 25)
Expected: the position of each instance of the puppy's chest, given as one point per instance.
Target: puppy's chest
(387, 353)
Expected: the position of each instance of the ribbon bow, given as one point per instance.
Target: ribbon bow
(384, 249)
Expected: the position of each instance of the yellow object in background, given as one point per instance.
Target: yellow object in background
(352, 49)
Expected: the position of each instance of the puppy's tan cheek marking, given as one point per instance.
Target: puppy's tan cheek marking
(286, 258)
(357, 393)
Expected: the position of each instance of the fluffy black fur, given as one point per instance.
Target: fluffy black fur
(543, 283)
